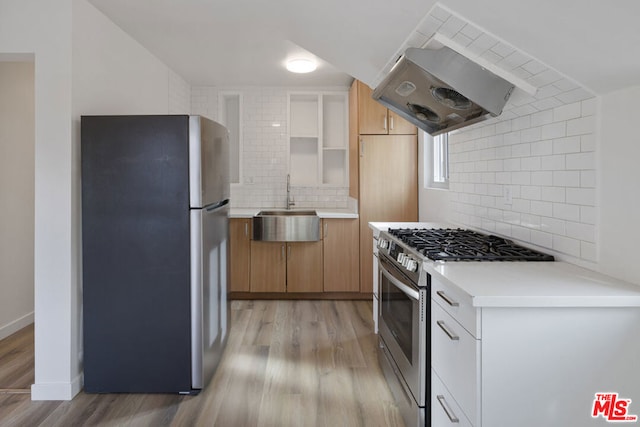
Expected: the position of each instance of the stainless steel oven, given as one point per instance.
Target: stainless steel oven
(403, 322)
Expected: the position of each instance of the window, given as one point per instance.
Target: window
(437, 161)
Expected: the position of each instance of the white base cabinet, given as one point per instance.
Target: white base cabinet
(529, 366)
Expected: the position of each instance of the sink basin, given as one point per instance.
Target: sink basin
(286, 226)
(285, 212)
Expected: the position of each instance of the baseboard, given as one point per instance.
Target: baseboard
(57, 391)
(14, 326)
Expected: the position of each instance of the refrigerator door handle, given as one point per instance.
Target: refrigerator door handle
(213, 206)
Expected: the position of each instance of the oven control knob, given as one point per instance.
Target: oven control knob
(412, 265)
(401, 257)
(383, 243)
(406, 260)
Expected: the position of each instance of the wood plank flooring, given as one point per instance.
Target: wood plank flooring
(287, 363)
(16, 361)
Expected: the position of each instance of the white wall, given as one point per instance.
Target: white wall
(84, 64)
(265, 156)
(618, 180)
(17, 135)
(43, 29)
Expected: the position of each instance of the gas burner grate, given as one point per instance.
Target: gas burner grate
(447, 244)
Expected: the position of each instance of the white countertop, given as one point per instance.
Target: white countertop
(535, 284)
(322, 213)
(527, 284)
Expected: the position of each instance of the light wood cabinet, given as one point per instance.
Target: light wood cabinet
(278, 267)
(304, 267)
(388, 190)
(376, 119)
(268, 266)
(383, 149)
(239, 254)
(341, 261)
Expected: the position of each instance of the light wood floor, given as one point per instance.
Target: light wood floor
(16, 361)
(287, 363)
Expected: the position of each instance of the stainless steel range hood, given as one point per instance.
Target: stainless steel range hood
(440, 90)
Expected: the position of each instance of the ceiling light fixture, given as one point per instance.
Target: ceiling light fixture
(301, 65)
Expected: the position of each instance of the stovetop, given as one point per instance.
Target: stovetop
(447, 244)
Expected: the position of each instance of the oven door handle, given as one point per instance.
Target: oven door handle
(408, 291)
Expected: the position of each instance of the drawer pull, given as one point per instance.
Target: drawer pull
(448, 300)
(447, 410)
(446, 330)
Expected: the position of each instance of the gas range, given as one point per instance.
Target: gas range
(409, 247)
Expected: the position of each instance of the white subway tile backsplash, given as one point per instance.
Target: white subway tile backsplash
(531, 192)
(589, 107)
(575, 95)
(521, 123)
(541, 238)
(588, 179)
(542, 146)
(566, 211)
(581, 126)
(553, 226)
(556, 162)
(584, 232)
(553, 194)
(567, 112)
(544, 178)
(585, 161)
(554, 130)
(588, 251)
(581, 196)
(566, 245)
(565, 145)
(588, 142)
(563, 178)
(530, 163)
(541, 208)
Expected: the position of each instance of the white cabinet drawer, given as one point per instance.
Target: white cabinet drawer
(457, 303)
(455, 356)
(445, 411)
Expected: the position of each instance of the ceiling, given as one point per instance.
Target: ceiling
(246, 42)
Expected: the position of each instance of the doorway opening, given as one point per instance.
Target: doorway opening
(17, 196)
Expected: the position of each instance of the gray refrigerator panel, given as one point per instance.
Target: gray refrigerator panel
(209, 248)
(135, 252)
(209, 162)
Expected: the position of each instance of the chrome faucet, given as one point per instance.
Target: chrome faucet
(290, 201)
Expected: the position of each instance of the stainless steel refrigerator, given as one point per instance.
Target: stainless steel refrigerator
(155, 203)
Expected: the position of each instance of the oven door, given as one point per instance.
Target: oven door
(403, 322)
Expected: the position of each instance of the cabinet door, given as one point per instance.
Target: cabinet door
(304, 267)
(388, 189)
(240, 254)
(399, 126)
(341, 260)
(268, 266)
(372, 116)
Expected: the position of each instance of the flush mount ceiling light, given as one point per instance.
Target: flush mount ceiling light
(301, 65)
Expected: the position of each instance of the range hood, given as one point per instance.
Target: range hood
(440, 90)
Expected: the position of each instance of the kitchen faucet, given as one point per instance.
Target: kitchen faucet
(290, 201)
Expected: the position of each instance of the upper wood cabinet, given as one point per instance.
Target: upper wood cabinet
(369, 117)
(375, 119)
